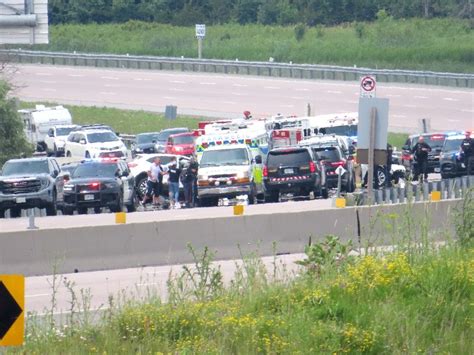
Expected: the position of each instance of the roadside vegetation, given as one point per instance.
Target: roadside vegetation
(416, 298)
(133, 122)
(445, 44)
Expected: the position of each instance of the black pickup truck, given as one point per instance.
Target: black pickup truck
(29, 183)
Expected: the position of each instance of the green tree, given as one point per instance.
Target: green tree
(13, 142)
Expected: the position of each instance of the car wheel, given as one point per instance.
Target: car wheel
(272, 197)
(208, 202)
(68, 211)
(381, 177)
(68, 154)
(119, 205)
(82, 210)
(132, 207)
(141, 187)
(15, 212)
(52, 209)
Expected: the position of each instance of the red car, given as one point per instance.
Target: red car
(181, 144)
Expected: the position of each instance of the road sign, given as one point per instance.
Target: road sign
(367, 86)
(340, 170)
(200, 31)
(12, 305)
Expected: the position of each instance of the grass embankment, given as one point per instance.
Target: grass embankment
(405, 303)
(133, 122)
(435, 44)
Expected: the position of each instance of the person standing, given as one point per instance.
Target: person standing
(174, 172)
(388, 165)
(189, 175)
(154, 182)
(467, 148)
(420, 151)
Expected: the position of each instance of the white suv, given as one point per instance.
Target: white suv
(56, 139)
(95, 143)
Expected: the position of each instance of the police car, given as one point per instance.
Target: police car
(100, 183)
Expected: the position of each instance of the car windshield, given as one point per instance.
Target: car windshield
(25, 167)
(288, 158)
(101, 137)
(183, 140)
(64, 131)
(95, 170)
(147, 138)
(452, 144)
(164, 159)
(164, 135)
(330, 154)
(350, 130)
(224, 157)
(435, 141)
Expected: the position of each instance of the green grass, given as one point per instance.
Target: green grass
(436, 44)
(401, 303)
(397, 139)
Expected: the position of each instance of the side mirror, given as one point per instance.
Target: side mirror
(82, 141)
(125, 174)
(55, 174)
(258, 159)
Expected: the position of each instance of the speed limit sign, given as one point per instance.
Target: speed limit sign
(200, 31)
(367, 86)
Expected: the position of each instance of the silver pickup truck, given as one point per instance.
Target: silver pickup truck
(29, 183)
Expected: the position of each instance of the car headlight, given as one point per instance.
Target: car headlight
(110, 185)
(45, 183)
(68, 187)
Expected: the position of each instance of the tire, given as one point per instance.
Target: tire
(208, 202)
(82, 210)
(141, 187)
(68, 154)
(68, 211)
(87, 155)
(52, 209)
(380, 178)
(97, 210)
(325, 193)
(15, 212)
(272, 197)
(118, 206)
(132, 207)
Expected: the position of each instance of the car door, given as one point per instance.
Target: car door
(127, 182)
(59, 180)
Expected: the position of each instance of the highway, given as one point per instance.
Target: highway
(217, 95)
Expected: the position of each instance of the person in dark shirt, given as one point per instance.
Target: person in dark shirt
(467, 148)
(420, 152)
(188, 176)
(388, 165)
(174, 171)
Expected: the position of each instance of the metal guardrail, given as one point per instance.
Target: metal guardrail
(272, 69)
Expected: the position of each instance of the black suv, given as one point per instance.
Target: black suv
(100, 184)
(293, 170)
(31, 183)
(332, 158)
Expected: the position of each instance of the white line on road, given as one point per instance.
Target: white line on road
(353, 102)
(169, 98)
(240, 85)
(449, 99)
(229, 102)
(409, 106)
(297, 98)
(451, 120)
(176, 89)
(271, 87)
(287, 106)
(469, 111)
(76, 75)
(109, 78)
(50, 90)
(421, 97)
(107, 93)
(334, 92)
(37, 295)
(47, 82)
(112, 85)
(393, 95)
(399, 116)
(177, 82)
(239, 94)
(44, 74)
(302, 89)
(207, 83)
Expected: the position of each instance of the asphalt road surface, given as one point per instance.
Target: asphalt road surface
(217, 95)
(125, 284)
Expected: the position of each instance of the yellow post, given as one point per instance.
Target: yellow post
(238, 210)
(435, 195)
(120, 218)
(340, 202)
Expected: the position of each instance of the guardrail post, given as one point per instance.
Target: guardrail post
(470, 181)
(457, 187)
(443, 189)
(31, 219)
(379, 197)
(387, 195)
(401, 194)
(426, 191)
(409, 192)
(464, 185)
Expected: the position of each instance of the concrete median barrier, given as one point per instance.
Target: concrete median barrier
(40, 252)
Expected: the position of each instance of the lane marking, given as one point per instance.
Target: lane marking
(176, 89)
(47, 81)
(112, 85)
(207, 83)
(37, 295)
(410, 106)
(240, 85)
(287, 106)
(169, 98)
(76, 75)
(229, 102)
(334, 92)
(47, 89)
(469, 111)
(297, 98)
(147, 284)
(177, 82)
(421, 97)
(271, 87)
(107, 93)
(393, 95)
(302, 89)
(399, 116)
(353, 102)
(454, 120)
(109, 78)
(44, 74)
(239, 94)
(449, 99)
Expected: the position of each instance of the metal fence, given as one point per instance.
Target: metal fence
(448, 189)
(271, 69)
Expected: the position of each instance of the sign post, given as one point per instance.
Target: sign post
(339, 171)
(12, 305)
(200, 34)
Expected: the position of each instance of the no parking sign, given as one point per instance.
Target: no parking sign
(367, 86)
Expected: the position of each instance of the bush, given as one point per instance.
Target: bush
(300, 31)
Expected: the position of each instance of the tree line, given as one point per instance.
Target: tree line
(267, 12)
